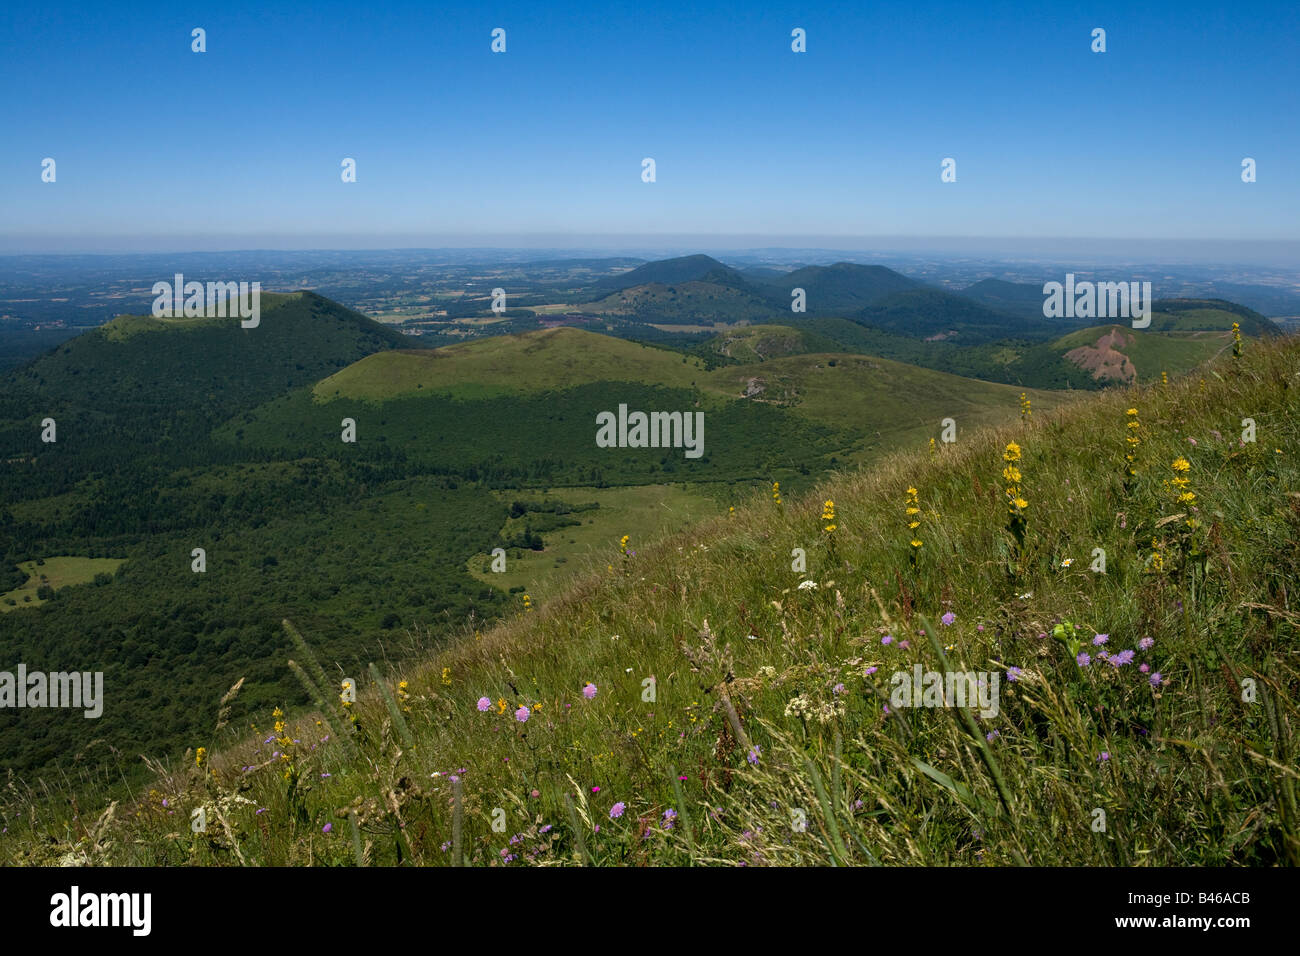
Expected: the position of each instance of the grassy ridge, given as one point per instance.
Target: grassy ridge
(770, 736)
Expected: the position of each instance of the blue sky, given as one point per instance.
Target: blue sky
(159, 146)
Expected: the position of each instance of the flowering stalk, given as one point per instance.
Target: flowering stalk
(1016, 503)
(913, 512)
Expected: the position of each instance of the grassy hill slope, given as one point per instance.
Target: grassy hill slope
(705, 701)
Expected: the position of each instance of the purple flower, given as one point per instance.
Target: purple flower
(1155, 679)
(904, 645)
(327, 828)
(484, 704)
(1122, 658)
(1105, 755)
(948, 619)
(1083, 660)
(547, 828)
(1144, 668)
(589, 691)
(887, 639)
(669, 816)
(616, 810)
(521, 714)
(837, 689)
(1145, 644)
(1013, 674)
(990, 735)
(1101, 639)
(754, 754)
(869, 671)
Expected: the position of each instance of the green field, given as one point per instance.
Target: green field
(645, 513)
(509, 364)
(58, 572)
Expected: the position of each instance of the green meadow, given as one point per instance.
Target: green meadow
(55, 573)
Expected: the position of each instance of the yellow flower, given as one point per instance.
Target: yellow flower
(199, 756)
(1012, 453)
(1021, 503)
(915, 543)
(1011, 473)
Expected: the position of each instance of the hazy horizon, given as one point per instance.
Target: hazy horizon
(1248, 251)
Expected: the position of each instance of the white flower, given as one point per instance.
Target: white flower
(807, 585)
(1026, 596)
(752, 637)
(1067, 562)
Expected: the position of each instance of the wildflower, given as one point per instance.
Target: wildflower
(327, 828)
(1067, 562)
(1144, 668)
(1236, 340)
(446, 677)
(199, 755)
(887, 639)
(589, 691)
(1013, 674)
(1026, 411)
(912, 509)
(1100, 639)
(1105, 755)
(595, 789)
(484, 705)
(528, 603)
(501, 705)
(1155, 679)
(1083, 660)
(776, 492)
(807, 585)
(754, 754)
(869, 671)
(991, 734)
(616, 810)
(521, 714)
(948, 619)
(1133, 440)
(837, 689)
(670, 815)
(1122, 658)
(828, 515)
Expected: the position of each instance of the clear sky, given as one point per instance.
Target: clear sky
(160, 147)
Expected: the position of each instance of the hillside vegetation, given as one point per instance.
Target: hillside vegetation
(704, 701)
